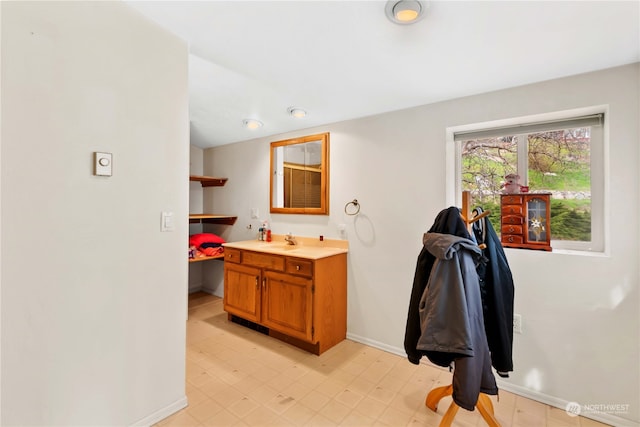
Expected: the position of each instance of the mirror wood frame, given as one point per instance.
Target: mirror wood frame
(323, 138)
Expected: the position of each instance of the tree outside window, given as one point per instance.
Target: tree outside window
(557, 161)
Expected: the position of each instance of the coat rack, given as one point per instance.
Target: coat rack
(466, 214)
(484, 405)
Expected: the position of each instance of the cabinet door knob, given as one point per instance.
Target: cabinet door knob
(257, 282)
(297, 268)
(264, 283)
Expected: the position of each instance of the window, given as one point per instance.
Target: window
(563, 156)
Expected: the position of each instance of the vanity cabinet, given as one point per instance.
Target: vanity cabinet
(301, 301)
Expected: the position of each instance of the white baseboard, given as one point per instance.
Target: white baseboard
(562, 404)
(512, 388)
(377, 344)
(162, 413)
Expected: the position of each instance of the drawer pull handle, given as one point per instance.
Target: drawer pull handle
(297, 268)
(510, 239)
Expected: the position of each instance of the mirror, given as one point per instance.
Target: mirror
(300, 175)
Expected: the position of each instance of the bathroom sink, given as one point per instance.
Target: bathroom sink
(282, 246)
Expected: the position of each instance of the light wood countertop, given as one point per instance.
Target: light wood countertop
(306, 247)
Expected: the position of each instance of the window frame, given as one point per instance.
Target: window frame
(599, 167)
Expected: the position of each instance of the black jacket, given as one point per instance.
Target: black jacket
(497, 291)
(496, 286)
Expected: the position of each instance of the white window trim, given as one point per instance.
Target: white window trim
(600, 216)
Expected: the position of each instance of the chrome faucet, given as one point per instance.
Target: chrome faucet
(290, 239)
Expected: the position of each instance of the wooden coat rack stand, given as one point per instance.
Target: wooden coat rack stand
(483, 405)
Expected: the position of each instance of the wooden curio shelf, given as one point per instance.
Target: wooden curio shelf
(208, 181)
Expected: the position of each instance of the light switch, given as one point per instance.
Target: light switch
(167, 223)
(102, 163)
(255, 213)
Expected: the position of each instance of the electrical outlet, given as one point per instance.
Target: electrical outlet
(517, 323)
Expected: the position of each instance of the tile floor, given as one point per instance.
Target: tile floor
(240, 377)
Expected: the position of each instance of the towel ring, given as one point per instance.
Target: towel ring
(355, 210)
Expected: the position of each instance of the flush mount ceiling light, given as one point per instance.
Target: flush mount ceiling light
(405, 12)
(252, 123)
(296, 112)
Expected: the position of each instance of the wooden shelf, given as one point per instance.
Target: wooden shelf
(212, 219)
(206, 258)
(208, 181)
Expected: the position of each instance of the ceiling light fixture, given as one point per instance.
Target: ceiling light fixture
(252, 123)
(298, 113)
(405, 12)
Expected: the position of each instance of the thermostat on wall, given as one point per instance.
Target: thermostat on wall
(102, 163)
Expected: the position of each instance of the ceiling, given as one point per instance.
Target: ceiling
(341, 60)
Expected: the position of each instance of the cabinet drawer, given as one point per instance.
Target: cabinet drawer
(257, 259)
(232, 255)
(510, 238)
(299, 266)
(511, 229)
(511, 210)
(511, 200)
(512, 219)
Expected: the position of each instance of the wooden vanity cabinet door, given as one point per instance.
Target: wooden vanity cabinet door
(287, 305)
(242, 291)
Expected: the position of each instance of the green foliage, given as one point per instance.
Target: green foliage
(569, 223)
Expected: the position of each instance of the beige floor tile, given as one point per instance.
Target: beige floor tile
(239, 377)
(263, 393)
(243, 407)
(223, 418)
(261, 416)
(228, 397)
(394, 417)
(331, 387)
(194, 395)
(313, 379)
(335, 411)
(361, 385)
(315, 400)
(298, 414)
(370, 407)
(357, 419)
(382, 394)
(181, 419)
(320, 420)
(280, 403)
(408, 403)
(265, 373)
(349, 398)
(204, 410)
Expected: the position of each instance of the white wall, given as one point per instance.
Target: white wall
(93, 294)
(580, 313)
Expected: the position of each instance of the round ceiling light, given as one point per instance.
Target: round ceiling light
(405, 12)
(296, 112)
(252, 123)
